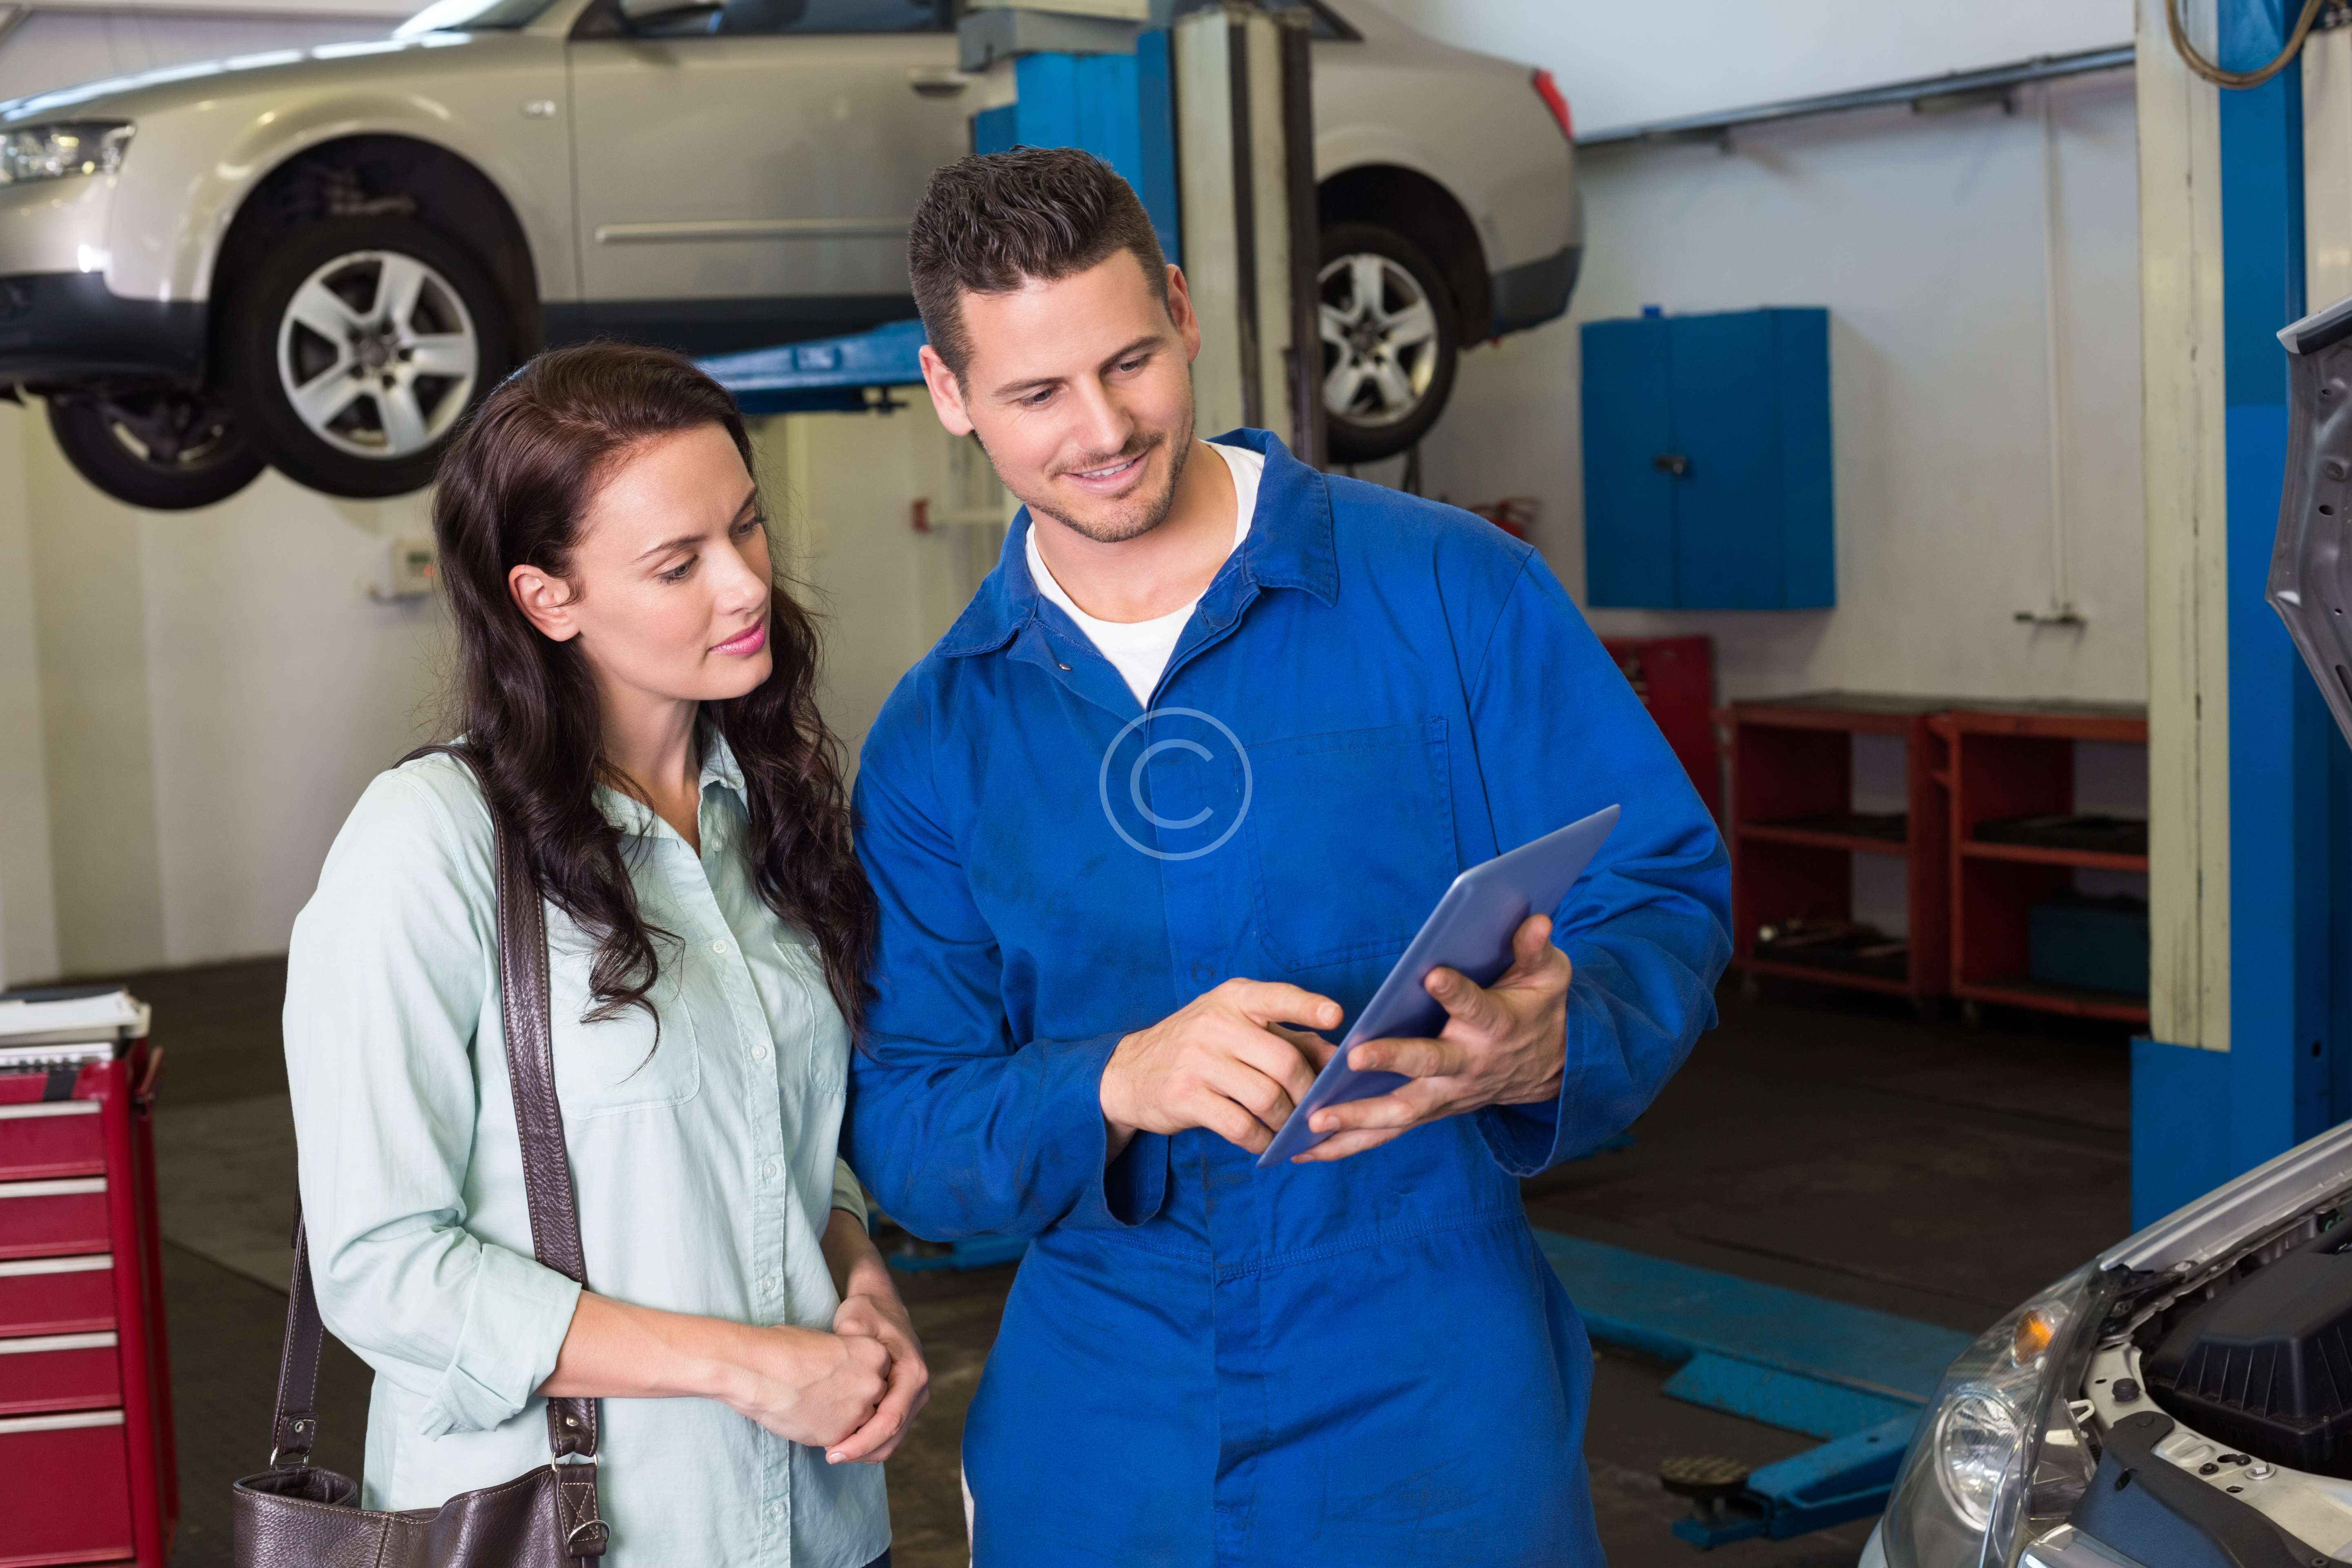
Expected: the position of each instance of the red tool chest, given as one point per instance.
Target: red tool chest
(1675, 678)
(86, 1468)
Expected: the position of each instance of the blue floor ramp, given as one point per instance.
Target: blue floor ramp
(1858, 1377)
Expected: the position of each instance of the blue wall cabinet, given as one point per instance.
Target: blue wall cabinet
(1706, 462)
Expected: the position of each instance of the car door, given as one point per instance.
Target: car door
(747, 179)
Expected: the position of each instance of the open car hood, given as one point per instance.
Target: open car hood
(2311, 565)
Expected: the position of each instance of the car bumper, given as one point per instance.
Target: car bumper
(1536, 291)
(2063, 1548)
(67, 329)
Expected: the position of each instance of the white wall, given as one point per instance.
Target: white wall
(1623, 64)
(1922, 235)
(215, 688)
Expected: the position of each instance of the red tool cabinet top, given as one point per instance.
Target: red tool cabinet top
(86, 1468)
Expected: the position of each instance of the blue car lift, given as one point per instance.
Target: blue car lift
(1855, 1376)
(828, 376)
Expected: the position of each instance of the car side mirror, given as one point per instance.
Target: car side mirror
(647, 14)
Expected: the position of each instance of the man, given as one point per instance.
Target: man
(1174, 792)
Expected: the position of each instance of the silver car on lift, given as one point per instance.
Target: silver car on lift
(318, 259)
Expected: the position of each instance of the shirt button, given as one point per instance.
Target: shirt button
(759, 1053)
(769, 1170)
(720, 946)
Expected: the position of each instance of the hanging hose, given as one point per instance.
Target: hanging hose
(2220, 77)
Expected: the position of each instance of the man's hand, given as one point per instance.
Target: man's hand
(1224, 1063)
(1504, 1045)
(883, 1317)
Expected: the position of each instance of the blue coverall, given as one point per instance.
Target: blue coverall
(1360, 1362)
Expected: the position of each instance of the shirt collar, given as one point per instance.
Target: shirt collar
(632, 816)
(1290, 546)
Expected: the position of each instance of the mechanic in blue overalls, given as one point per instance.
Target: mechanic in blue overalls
(1174, 791)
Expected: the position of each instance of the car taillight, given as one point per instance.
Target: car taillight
(1554, 101)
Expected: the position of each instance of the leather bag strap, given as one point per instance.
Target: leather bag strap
(539, 1118)
(295, 1426)
(572, 1427)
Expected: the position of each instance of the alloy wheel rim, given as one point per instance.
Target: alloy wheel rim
(377, 355)
(173, 432)
(1379, 340)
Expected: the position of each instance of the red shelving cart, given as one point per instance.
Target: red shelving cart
(1794, 834)
(86, 1468)
(2011, 762)
(1675, 678)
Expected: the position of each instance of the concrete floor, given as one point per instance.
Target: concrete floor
(1824, 1142)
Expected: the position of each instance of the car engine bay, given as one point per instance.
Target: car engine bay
(2219, 1407)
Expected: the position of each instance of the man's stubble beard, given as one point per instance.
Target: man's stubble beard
(1146, 513)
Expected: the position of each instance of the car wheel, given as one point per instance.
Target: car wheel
(356, 346)
(1389, 341)
(167, 450)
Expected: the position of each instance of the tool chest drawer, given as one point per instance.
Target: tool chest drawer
(59, 1137)
(65, 1489)
(42, 1219)
(41, 1373)
(57, 1294)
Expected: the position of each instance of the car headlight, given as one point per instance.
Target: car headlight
(1976, 1441)
(53, 152)
(1997, 1459)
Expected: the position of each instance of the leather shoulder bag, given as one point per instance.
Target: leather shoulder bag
(297, 1515)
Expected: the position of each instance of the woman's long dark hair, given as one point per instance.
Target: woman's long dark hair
(512, 491)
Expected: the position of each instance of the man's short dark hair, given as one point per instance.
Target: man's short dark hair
(989, 224)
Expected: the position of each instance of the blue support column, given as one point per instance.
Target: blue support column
(2198, 1119)
(2280, 738)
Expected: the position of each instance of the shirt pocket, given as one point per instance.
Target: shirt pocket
(817, 1039)
(618, 1064)
(1352, 835)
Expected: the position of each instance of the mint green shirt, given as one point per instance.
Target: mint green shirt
(704, 1165)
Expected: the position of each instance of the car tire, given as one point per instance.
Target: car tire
(166, 449)
(1390, 342)
(356, 346)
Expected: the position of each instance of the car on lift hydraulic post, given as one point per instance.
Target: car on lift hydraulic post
(2185, 1398)
(319, 259)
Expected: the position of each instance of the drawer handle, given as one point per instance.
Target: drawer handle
(39, 1345)
(48, 1107)
(80, 1263)
(52, 1189)
(64, 1423)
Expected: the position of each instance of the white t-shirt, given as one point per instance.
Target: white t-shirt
(1139, 651)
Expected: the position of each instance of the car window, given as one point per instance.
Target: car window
(768, 17)
(471, 16)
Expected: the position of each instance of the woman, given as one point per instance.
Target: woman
(636, 696)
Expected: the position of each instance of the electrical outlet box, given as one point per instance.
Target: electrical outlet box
(409, 569)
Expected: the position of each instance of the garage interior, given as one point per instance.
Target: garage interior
(1908, 418)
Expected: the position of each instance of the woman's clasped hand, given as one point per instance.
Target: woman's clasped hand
(852, 1392)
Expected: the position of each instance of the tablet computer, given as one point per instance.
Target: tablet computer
(1470, 930)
